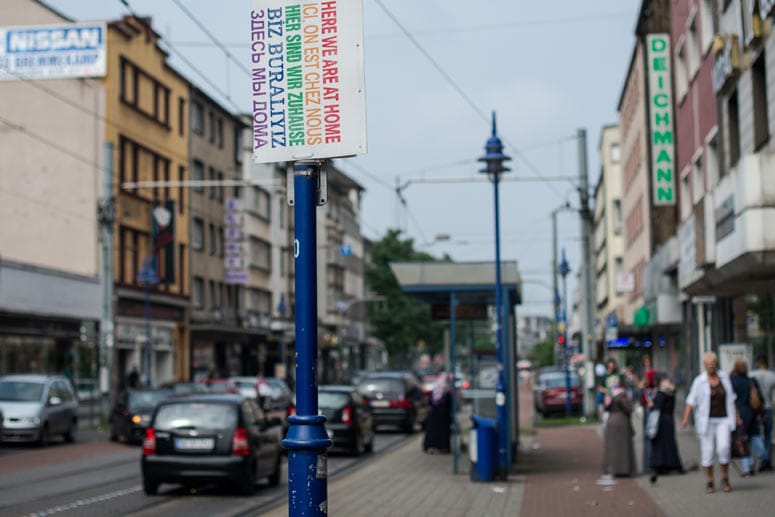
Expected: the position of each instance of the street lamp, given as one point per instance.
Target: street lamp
(564, 269)
(494, 159)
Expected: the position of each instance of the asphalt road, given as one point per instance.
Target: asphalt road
(95, 477)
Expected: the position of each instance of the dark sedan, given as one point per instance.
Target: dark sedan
(218, 438)
(348, 419)
(395, 398)
(132, 413)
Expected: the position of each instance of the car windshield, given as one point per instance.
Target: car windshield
(196, 415)
(147, 399)
(20, 391)
(558, 381)
(332, 400)
(277, 387)
(376, 384)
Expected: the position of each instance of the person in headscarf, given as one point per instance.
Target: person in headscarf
(439, 422)
(648, 392)
(618, 453)
(664, 449)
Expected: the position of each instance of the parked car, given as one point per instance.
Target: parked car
(37, 407)
(132, 413)
(181, 388)
(221, 438)
(549, 393)
(246, 386)
(221, 386)
(348, 419)
(395, 399)
(278, 401)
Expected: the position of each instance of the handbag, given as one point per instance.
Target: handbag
(740, 444)
(652, 424)
(754, 399)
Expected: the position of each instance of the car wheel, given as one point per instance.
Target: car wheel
(43, 437)
(357, 447)
(274, 477)
(70, 433)
(247, 485)
(409, 426)
(150, 487)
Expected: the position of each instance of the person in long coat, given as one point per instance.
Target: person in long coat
(664, 449)
(742, 384)
(619, 453)
(438, 424)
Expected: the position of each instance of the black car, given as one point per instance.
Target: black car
(132, 413)
(348, 419)
(214, 438)
(395, 399)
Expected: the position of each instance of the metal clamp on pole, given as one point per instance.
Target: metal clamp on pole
(307, 440)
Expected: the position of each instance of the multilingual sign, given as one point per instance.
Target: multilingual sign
(307, 80)
(62, 51)
(661, 119)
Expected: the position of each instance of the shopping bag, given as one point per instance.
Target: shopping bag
(740, 444)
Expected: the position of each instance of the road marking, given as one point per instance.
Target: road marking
(86, 502)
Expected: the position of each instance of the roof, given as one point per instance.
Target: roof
(226, 398)
(472, 282)
(338, 388)
(30, 377)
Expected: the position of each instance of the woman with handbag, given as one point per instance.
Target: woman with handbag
(715, 416)
(747, 392)
(664, 449)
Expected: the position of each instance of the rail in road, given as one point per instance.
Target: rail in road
(70, 479)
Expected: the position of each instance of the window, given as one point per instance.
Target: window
(761, 130)
(213, 295)
(213, 188)
(220, 242)
(712, 162)
(693, 49)
(260, 255)
(198, 293)
(680, 71)
(707, 25)
(238, 144)
(686, 194)
(181, 116)
(698, 181)
(211, 238)
(181, 189)
(260, 301)
(138, 163)
(198, 174)
(733, 126)
(260, 203)
(220, 133)
(144, 93)
(616, 153)
(197, 118)
(211, 116)
(219, 189)
(198, 234)
(617, 216)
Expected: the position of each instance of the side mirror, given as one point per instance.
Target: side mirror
(54, 401)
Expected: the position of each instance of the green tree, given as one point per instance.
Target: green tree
(543, 354)
(401, 322)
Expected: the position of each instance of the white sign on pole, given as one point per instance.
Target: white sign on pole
(71, 50)
(731, 352)
(307, 86)
(625, 282)
(235, 255)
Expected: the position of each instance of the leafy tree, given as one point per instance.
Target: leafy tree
(402, 321)
(543, 353)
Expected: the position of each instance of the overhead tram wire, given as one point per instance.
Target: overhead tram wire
(484, 116)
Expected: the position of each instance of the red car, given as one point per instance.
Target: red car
(549, 394)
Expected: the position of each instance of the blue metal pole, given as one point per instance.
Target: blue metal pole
(307, 440)
(508, 362)
(452, 365)
(500, 393)
(565, 270)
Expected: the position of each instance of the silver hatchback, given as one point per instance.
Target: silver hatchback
(36, 407)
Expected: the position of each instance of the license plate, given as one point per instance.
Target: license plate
(194, 444)
(380, 403)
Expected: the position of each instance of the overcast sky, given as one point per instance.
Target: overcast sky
(546, 68)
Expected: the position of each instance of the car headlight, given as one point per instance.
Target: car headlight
(136, 419)
(30, 420)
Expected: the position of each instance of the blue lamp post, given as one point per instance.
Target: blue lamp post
(149, 278)
(494, 159)
(564, 269)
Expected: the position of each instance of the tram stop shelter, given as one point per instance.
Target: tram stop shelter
(465, 291)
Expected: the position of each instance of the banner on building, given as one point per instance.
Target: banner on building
(661, 136)
(235, 256)
(163, 231)
(307, 84)
(62, 51)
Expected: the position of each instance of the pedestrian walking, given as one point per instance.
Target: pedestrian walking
(664, 449)
(618, 452)
(712, 399)
(745, 388)
(766, 380)
(437, 428)
(610, 380)
(133, 378)
(648, 391)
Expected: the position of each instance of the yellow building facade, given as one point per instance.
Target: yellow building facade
(147, 122)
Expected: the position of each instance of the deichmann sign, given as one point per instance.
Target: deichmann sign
(661, 122)
(307, 79)
(53, 51)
